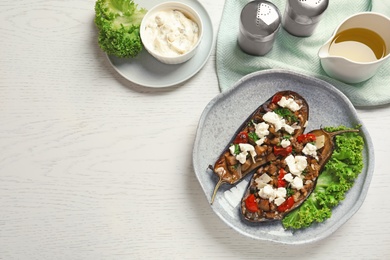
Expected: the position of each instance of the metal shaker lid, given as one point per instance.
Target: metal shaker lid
(260, 20)
(306, 11)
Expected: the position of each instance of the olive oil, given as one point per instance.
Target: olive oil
(359, 45)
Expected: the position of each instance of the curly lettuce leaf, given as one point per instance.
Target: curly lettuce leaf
(338, 176)
(118, 23)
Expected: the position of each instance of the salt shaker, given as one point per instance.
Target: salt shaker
(301, 17)
(259, 22)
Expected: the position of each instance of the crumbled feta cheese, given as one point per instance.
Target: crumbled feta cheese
(289, 129)
(284, 143)
(244, 148)
(273, 118)
(261, 129)
(241, 157)
(300, 163)
(281, 192)
(288, 177)
(277, 121)
(296, 164)
(260, 141)
(268, 192)
(279, 201)
(263, 180)
(232, 148)
(297, 183)
(311, 150)
(289, 103)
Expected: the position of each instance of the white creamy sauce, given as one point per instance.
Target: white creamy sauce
(171, 33)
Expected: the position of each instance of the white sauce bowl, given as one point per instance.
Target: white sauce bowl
(190, 13)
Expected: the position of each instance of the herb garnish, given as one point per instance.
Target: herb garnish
(290, 192)
(287, 114)
(253, 136)
(237, 149)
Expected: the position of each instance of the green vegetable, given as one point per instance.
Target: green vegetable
(253, 136)
(338, 176)
(286, 113)
(237, 149)
(289, 192)
(118, 22)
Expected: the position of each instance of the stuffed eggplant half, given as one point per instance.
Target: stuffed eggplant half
(284, 184)
(267, 135)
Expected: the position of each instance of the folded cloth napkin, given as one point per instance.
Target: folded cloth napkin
(299, 54)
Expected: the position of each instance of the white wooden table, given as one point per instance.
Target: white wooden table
(93, 166)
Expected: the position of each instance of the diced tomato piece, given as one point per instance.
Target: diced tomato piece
(241, 138)
(306, 138)
(281, 181)
(286, 205)
(276, 98)
(251, 204)
(278, 150)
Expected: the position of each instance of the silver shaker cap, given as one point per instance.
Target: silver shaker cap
(260, 20)
(306, 11)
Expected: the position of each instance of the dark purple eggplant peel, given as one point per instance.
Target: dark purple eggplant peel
(259, 205)
(230, 170)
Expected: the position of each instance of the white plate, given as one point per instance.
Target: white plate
(226, 112)
(147, 71)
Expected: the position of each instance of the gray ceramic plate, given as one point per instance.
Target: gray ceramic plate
(225, 113)
(146, 71)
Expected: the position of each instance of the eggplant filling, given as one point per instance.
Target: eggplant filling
(279, 187)
(265, 136)
(285, 183)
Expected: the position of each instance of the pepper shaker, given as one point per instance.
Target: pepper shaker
(301, 17)
(259, 22)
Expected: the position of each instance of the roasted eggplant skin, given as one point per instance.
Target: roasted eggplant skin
(229, 170)
(256, 208)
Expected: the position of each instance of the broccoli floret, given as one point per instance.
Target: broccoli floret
(118, 22)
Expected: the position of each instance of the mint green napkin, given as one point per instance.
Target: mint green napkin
(299, 54)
